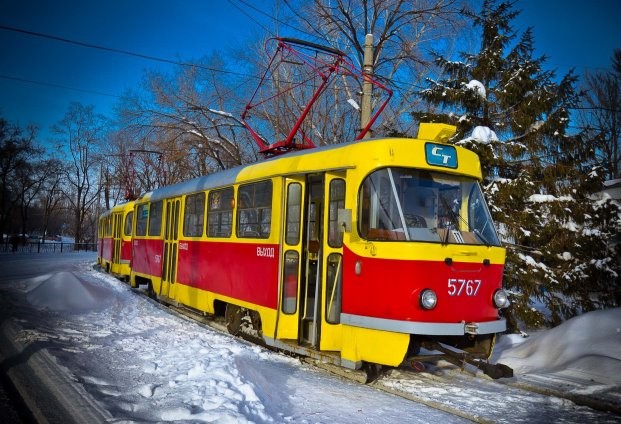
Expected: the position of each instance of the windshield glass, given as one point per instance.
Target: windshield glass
(417, 205)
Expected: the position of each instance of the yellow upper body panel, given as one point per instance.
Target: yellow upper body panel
(362, 156)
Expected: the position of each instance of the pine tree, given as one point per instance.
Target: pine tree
(538, 179)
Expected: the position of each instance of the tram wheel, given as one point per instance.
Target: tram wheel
(485, 345)
(150, 291)
(256, 322)
(233, 318)
(373, 372)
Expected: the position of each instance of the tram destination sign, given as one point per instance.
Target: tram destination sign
(441, 155)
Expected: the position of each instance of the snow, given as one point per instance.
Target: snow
(76, 296)
(477, 87)
(530, 261)
(141, 362)
(221, 113)
(482, 135)
(589, 343)
(353, 104)
(566, 256)
(547, 198)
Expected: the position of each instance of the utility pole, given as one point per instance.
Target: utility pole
(367, 87)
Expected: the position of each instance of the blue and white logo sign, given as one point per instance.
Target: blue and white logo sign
(441, 155)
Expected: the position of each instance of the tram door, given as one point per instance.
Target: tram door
(312, 261)
(310, 287)
(117, 226)
(334, 218)
(171, 237)
(292, 258)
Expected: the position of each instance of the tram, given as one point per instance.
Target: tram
(115, 240)
(357, 253)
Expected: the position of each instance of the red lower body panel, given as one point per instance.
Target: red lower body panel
(389, 288)
(244, 271)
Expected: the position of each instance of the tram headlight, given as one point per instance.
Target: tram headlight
(428, 299)
(501, 299)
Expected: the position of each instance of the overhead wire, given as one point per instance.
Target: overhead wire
(114, 50)
(65, 87)
(252, 17)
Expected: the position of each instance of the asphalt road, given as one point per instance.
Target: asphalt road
(12, 410)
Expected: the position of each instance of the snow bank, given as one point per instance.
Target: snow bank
(64, 292)
(587, 347)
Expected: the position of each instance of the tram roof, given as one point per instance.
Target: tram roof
(229, 176)
(301, 161)
(217, 179)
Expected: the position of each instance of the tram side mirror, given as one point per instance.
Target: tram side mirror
(344, 220)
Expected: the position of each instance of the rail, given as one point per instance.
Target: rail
(47, 247)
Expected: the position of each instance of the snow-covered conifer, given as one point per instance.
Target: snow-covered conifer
(539, 173)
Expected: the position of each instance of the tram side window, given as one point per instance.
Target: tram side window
(155, 219)
(109, 226)
(194, 215)
(334, 283)
(142, 218)
(254, 211)
(220, 213)
(294, 209)
(337, 201)
(127, 229)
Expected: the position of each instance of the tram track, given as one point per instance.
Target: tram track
(358, 377)
(421, 386)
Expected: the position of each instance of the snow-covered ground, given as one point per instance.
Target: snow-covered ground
(134, 361)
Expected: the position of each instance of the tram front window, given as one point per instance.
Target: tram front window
(417, 205)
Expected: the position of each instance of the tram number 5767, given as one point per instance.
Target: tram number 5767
(461, 286)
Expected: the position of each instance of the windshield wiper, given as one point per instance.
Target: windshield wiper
(483, 239)
(453, 216)
(398, 203)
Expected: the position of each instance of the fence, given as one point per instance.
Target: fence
(48, 247)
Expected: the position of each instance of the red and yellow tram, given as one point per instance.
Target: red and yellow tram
(356, 253)
(115, 240)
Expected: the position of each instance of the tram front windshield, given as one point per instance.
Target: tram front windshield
(418, 205)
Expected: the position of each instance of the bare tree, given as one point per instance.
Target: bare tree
(28, 180)
(51, 193)
(401, 30)
(79, 136)
(187, 118)
(602, 115)
(16, 147)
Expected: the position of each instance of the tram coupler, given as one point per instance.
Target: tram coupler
(460, 358)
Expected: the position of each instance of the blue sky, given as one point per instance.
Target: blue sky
(580, 34)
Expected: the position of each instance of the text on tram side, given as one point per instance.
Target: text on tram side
(266, 252)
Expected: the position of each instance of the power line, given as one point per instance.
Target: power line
(252, 18)
(273, 18)
(65, 87)
(113, 50)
